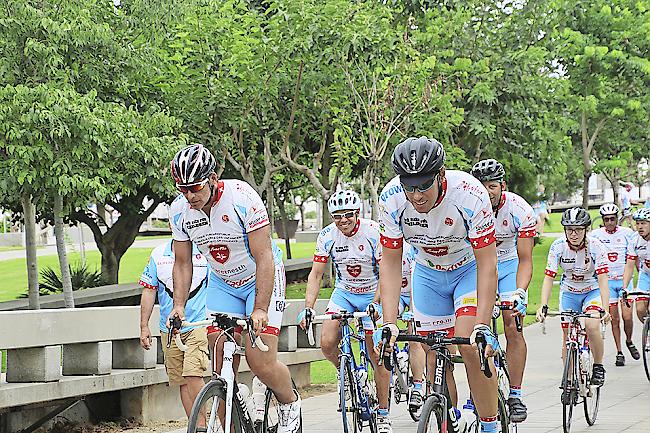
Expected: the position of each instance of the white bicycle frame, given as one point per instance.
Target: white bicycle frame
(230, 349)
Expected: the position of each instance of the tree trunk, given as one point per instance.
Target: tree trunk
(373, 185)
(59, 233)
(29, 217)
(270, 207)
(302, 216)
(283, 221)
(110, 265)
(585, 188)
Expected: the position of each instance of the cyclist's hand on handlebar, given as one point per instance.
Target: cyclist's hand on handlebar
(260, 319)
(301, 317)
(145, 337)
(176, 312)
(520, 302)
(375, 308)
(492, 343)
(540, 314)
(606, 317)
(377, 337)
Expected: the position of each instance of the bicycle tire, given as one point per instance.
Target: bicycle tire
(503, 412)
(645, 346)
(271, 417)
(214, 388)
(568, 386)
(431, 417)
(350, 419)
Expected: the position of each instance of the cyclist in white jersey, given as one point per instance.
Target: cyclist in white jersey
(641, 252)
(446, 216)
(584, 285)
(515, 225)
(619, 241)
(227, 221)
(353, 245)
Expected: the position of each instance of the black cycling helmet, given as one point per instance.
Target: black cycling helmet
(192, 164)
(576, 216)
(417, 159)
(489, 170)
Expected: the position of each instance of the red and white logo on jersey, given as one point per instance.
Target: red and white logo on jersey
(437, 251)
(575, 277)
(221, 253)
(405, 282)
(612, 256)
(225, 218)
(354, 270)
(449, 221)
(360, 247)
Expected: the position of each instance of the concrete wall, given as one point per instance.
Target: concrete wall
(12, 240)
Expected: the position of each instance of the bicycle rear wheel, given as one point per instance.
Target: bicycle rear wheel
(645, 346)
(569, 387)
(207, 402)
(349, 415)
(272, 413)
(502, 411)
(431, 417)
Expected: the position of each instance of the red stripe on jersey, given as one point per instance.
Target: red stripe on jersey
(271, 330)
(320, 259)
(392, 243)
(602, 270)
(483, 241)
(469, 310)
(632, 257)
(527, 233)
(550, 273)
(147, 285)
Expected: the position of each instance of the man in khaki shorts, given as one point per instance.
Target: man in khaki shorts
(183, 368)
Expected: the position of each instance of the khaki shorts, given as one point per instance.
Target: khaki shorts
(193, 362)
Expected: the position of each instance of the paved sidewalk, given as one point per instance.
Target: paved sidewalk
(624, 406)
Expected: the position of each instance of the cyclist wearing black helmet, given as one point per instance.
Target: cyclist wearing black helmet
(641, 252)
(228, 222)
(584, 283)
(515, 224)
(447, 217)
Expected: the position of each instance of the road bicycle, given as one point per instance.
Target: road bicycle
(357, 396)
(576, 375)
(438, 414)
(645, 333)
(402, 378)
(224, 389)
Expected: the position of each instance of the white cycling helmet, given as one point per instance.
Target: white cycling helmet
(609, 209)
(343, 200)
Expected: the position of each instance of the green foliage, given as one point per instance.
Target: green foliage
(82, 278)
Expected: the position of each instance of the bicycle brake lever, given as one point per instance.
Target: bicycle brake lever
(481, 344)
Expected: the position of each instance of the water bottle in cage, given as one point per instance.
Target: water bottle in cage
(362, 376)
(402, 360)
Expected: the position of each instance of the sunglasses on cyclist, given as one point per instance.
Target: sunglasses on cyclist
(346, 215)
(193, 188)
(576, 230)
(423, 187)
(607, 219)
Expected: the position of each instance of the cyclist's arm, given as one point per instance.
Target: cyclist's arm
(628, 272)
(313, 283)
(486, 282)
(547, 287)
(390, 275)
(259, 242)
(182, 272)
(525, 267)
(147, 301)
(603, 283)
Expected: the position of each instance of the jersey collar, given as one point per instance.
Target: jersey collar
(443, 192)
(612, 232)
(503, 201)
(218, 195)
(356, 228)
(572, 248)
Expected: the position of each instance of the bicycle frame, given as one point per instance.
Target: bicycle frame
(346, 352)
(577, 339)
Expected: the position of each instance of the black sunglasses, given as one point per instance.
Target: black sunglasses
(423, 187)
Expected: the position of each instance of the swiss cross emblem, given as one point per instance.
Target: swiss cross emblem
(612, 256)
(354, 270)
(220, 253)
(360, 247)
(449, 221)
(225, 218)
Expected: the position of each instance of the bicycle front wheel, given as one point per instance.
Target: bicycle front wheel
(349, 414)
(569, 387)
(645, 345)
(431, 416)
(207, 404)
(272, 412)
(502, 411)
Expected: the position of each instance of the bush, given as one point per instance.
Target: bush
(310, 215)
(81, 276)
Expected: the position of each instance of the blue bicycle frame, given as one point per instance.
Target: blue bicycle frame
(347, 356)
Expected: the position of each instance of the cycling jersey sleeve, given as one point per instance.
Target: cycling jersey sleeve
(323, 246)
(632, 254)
(554, 255)
(391, 234)
(149, 277)
(176, 219)
(525, 218)
(252, 206)
(480, 221)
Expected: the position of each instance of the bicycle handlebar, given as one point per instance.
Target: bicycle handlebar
(224, 321)
(504, 306)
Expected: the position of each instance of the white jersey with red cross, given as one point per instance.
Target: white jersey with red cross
(355, 257)
(641, 250)
(222, 236)
(513, 219)
(581, 267)
(620, 246)
(407, 269)
(444, 238)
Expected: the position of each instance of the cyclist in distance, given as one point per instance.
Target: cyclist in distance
(447, 217)
(515, 225)
(619, 240)
(229, 224)
(353, 245)
(641, 252)
(584, 284)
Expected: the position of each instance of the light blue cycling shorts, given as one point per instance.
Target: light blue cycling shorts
(344, 300)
